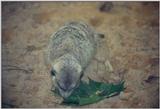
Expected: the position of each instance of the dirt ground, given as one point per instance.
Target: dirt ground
(129, 50)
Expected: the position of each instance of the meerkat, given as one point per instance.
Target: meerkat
(70, 50)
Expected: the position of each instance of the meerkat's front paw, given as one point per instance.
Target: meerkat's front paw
(85, 79)
(53, 84)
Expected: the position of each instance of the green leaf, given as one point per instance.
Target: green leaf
(92, 92)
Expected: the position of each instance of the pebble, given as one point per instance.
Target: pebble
(125, 95)
(106, 7)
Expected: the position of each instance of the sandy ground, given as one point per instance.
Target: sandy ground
(130, 47)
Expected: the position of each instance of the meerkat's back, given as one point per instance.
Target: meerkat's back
(75, 40)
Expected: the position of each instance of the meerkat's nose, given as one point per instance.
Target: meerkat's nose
(65, 86)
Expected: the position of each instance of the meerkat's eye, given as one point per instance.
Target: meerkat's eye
(53, 72)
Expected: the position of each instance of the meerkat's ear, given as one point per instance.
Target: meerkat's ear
(57, 66)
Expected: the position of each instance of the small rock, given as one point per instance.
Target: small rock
(101, 35)
(106, 7)
(125, 95)
(151, 78)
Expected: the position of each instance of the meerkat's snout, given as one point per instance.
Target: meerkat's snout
(67, 78)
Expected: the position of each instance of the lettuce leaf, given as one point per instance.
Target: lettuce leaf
(92, 92)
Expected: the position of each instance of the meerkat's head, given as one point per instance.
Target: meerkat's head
(67, 77)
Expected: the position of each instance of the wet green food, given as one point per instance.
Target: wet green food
(92, 92)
